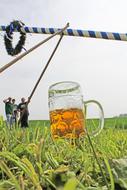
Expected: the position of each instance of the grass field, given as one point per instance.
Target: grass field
(31, 160)
(115, 122)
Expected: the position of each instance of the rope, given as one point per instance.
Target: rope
(33, 48)
(74, 32)
(40, 77)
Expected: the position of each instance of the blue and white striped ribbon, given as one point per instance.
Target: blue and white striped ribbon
(75, 32)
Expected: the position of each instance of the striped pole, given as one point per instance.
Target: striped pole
(75, 32)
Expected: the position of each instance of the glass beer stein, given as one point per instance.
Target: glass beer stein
(67, 111)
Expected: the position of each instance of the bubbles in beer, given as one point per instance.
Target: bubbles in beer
(67, 123)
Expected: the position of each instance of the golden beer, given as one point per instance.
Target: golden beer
(67, 123)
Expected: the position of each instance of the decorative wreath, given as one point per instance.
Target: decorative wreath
(8, 37)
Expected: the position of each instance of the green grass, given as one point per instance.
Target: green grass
(116, 122)
(31, 160)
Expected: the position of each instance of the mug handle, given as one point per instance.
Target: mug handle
(101, 119)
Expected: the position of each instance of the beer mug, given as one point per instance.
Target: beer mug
(67, 111)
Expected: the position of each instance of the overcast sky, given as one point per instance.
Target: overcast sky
(99, 66)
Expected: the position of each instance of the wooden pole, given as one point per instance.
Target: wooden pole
(40, 77)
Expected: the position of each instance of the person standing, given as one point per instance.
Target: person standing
(24, 113)
(8, 111)
(15, 112)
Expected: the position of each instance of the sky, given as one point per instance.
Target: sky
(98, 65)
